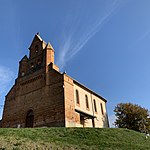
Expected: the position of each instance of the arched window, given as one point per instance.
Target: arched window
(86, 101)
(22, 73)
(38, 64)
(36, 48)
(29, 119)
(32, 66)
(38, 61)
(77, 97)
(95, 108)
(102, 108)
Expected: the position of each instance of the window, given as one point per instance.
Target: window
(36, 48)
(77, 97)
(32, 67)
(102, 108)
(38, 64)
(95, 108)
(22, 74)
(39, 61)
(86, 101)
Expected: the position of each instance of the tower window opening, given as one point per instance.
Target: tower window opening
(32, 67)
(36, 48)
(22, 74)
(38, 64)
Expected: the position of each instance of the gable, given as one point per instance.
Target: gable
(36, 46)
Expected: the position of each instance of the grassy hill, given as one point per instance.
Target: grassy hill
(72, 139)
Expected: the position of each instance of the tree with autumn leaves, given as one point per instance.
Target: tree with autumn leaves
(132, 116)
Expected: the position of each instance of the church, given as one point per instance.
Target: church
(42, 96)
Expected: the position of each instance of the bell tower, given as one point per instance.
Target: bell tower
(41, 55)
(49, 55)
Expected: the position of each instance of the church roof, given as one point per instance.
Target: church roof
(86, 88)
(38, 36)
(91, 91)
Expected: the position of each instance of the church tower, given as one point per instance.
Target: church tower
(40, 56)
(31, 101)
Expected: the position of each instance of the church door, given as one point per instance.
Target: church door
(29, 119)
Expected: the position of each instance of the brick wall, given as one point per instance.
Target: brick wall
(46, 101)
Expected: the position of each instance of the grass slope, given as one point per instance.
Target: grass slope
(72, 138)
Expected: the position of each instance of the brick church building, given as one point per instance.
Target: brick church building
(42, 96)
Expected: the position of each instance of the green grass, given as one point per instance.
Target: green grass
(72, 138)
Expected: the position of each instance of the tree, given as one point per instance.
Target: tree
(132, 116)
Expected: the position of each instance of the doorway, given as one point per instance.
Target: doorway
(29, 119)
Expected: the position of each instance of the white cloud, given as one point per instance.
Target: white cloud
(112, 119)
(6, 76)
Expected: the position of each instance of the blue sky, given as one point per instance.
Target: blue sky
(104, 44)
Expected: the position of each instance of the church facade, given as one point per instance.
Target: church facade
(42, 96)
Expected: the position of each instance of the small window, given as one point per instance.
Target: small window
(86, 101)
(77, 97)
(36, 48)
(39, 61)
(102, 108)
(95, 108)
(38, 64)
(22, 74)
(32, 67)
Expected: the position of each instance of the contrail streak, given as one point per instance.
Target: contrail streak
(6, 76)
(94, 30)
(71, 48)
(147, 33)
